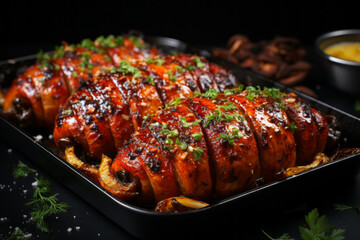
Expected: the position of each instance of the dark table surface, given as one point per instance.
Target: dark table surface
(83, 221)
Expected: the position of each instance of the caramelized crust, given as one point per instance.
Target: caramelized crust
(306, 132)
(277, 148)
(175, 129)
(235, 164)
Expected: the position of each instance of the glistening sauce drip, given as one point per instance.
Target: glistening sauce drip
(345, 50)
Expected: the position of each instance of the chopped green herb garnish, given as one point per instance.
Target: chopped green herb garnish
(44, 204)
(169, 141)
(42, 80)
(169, 147)
(230, 138)
(145, 118)
(67, 111)
(220, 115)
(127, 69)
(180, 69)
(197, 93)
(282, 106)
(171, 133)
(110, 41)
(18, 234)
(211, 93)
(196, 136)
(229, 106)
(293, 127)
(188, 124)
(89, 44)
(252, 92)
(57, 67)
(175, 102)
(150, 80)
(171, 76)
(74, 74)
(157, 61)
(183, 146)
(198, 62)
(22, 170)
(137, 42)
(197, 152)
(272, 92)
(59, 52)
(190, 67)
(164, 126)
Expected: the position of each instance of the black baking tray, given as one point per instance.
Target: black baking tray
(225, 218)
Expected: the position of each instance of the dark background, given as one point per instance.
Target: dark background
(31, 26)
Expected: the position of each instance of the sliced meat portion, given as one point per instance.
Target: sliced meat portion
(323, 130)
(145, 154)
(232, 146)
(137, 87)
(271, 127)
(223, 78)
(199, 67)
(179, 133)
(41, 86)
(304, 127)
(81, 63)
(170, 78)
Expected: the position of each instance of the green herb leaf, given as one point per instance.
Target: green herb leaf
(196, 136)
(230, 138)
(127, 69)
(197, 93)
(229, 106)
(169, 147)
(17, 234)
(74, 74)
(197, 152)
(171, 76)
(180, 69)
(211, 93)
(285, 236)
(342, 207)
(188, 124)
(137, 42)
(171, 133)
(22, 170)
(190, 67)
(175, 102)
(183, 146)
(44, 204)
(157, 61)
(198, 62)
(319, 228)
(150, 80)
(293, 127)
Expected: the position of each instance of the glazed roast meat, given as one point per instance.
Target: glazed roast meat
(173, 124)
(35, 96)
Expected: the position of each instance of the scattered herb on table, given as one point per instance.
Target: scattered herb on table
(343, 207)
(44, 204)
(319, 228)
(18, 234)
(22, 170)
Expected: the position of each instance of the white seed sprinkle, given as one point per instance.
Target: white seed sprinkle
(9, 150)
(77, 228)
(38, 138)
(69, 229)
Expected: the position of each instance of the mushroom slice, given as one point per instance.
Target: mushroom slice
(89, 170)
(319, 159)
(125, 187)
(179, 204)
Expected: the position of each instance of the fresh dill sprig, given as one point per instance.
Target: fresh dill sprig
(17, 234)
(22, 170)
(44, 204)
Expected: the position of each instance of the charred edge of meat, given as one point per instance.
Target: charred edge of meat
(21, 113)
(333, 141)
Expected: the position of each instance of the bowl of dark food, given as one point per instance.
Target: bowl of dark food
(340, 52)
